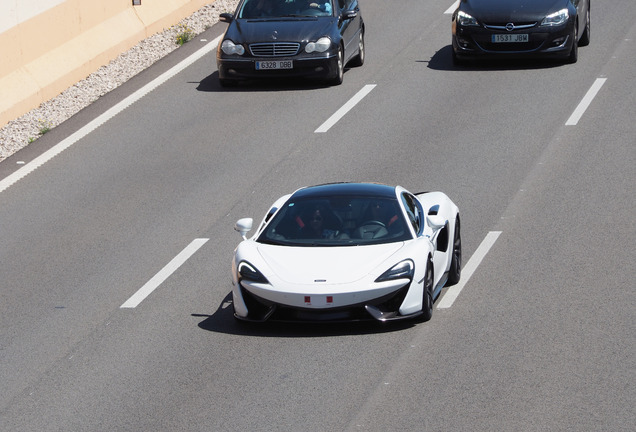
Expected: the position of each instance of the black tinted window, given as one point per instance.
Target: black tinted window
(413, 211)
(337, 221)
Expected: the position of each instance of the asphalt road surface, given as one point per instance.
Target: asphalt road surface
(539, 156)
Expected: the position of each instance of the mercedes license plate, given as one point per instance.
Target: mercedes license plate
(274, 64)
(508, 38)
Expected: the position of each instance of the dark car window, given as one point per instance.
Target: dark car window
(413, 211)
(257, 9)
(337, 221)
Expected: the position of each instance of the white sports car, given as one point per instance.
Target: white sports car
(347, 251)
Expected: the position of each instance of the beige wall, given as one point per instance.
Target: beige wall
(46, 53)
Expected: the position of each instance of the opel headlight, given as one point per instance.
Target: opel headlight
(466, 20)
(556, 19)
(321, 45)
(230, 48)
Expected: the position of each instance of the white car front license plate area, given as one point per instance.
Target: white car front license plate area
(510, 38)
(319, 300)
(274, 64)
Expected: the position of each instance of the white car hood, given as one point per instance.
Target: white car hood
(329, 265)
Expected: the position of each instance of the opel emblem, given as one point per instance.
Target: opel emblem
(510, 26)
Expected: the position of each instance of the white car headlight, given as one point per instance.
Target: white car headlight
(230, 48)
(556, 18)
(321, 45)
(249, 272)
(466, 20)
(402, 270)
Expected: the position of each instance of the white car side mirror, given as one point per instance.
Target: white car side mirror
(436, 222)
(243, 226)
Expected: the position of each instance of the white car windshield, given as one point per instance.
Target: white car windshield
(337, 221)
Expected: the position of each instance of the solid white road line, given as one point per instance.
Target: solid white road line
(451, 9)
(468, 270)
(165, 272)
(587, 100)
(112, 112)
(345, 108)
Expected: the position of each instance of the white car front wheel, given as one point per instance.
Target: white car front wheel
(427, 294)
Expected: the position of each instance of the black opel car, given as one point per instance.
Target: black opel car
(290, 38)
(520, 28)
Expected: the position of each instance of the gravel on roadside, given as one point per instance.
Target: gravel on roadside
(21, 132)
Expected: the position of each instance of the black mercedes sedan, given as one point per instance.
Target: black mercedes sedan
(290, 38)
(520, 28)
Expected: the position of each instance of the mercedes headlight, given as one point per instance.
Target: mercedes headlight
(229, 48)
(321, 45)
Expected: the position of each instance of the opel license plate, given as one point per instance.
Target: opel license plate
(510, 38)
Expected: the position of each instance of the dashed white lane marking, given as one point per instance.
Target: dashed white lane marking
(103, 118)
(451, 9)
(164, 273)
(585, 102)
(345, 108)
(468, 270)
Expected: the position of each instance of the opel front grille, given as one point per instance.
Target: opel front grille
(508, 27)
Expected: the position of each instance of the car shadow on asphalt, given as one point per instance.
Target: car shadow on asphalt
(211, 84)
(442, 60)
(223, 321)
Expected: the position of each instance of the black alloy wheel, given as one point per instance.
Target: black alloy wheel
(427, 295)
(456, 261)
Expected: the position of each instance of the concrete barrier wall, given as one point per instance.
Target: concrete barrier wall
(48, 45)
